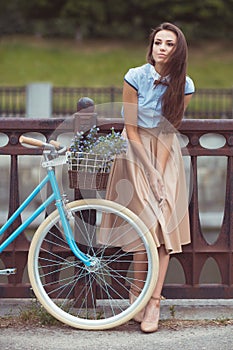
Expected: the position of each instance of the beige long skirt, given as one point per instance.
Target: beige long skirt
(129, 186)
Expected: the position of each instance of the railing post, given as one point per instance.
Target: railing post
(84, 120)
(14, 256)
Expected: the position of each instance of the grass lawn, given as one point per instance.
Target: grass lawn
(100, 63)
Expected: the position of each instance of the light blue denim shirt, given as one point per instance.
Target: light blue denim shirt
(149, 96)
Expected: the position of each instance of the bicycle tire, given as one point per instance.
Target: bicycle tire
(79, 296)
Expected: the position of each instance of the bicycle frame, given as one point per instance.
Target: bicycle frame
(55, 196)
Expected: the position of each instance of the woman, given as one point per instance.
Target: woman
(155, 97)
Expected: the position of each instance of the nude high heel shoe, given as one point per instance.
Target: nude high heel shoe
(151, 317)
(133, 294)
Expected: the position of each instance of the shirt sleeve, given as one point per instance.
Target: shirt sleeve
(189, 86)
(131, 77)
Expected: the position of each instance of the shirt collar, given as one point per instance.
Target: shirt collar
(156, 76)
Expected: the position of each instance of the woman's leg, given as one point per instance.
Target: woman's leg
(140, 268)
(163, 265)
(152, 311)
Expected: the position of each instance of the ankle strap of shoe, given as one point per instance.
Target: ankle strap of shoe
(161, 297)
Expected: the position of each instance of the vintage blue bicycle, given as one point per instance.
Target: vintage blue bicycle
(80, 281)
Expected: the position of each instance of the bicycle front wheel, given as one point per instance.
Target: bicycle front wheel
(97, 297)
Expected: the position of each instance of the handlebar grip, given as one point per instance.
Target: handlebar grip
(31, 141)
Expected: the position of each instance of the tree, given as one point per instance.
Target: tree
(116, 19)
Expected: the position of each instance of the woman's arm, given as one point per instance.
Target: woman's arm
(130, 100)
(165, 144)
(187, 99)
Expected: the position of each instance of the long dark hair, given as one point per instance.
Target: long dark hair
(173, 98)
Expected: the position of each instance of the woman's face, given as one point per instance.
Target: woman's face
(164, 44)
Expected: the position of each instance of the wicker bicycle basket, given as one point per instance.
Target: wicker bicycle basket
(88, 170)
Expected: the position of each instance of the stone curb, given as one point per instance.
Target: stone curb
(183, 309)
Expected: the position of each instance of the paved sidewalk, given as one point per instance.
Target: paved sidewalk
(193, 335)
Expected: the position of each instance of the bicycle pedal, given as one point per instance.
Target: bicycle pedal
(9, 271)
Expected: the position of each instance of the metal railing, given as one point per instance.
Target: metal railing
(194, 256)
(206, 103)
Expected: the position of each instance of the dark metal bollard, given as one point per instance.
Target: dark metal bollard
(85, 118)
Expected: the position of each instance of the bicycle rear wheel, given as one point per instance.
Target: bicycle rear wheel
(93, 297)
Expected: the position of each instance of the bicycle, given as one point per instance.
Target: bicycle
(81, 282)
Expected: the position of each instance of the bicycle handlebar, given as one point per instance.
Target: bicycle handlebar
(38, 143)
(31, 141)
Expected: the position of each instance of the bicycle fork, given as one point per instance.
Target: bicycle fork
(65, 217)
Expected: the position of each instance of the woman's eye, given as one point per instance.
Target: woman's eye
(157, 42)
(170, 44)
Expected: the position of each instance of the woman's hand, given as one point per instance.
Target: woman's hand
(156, 184)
